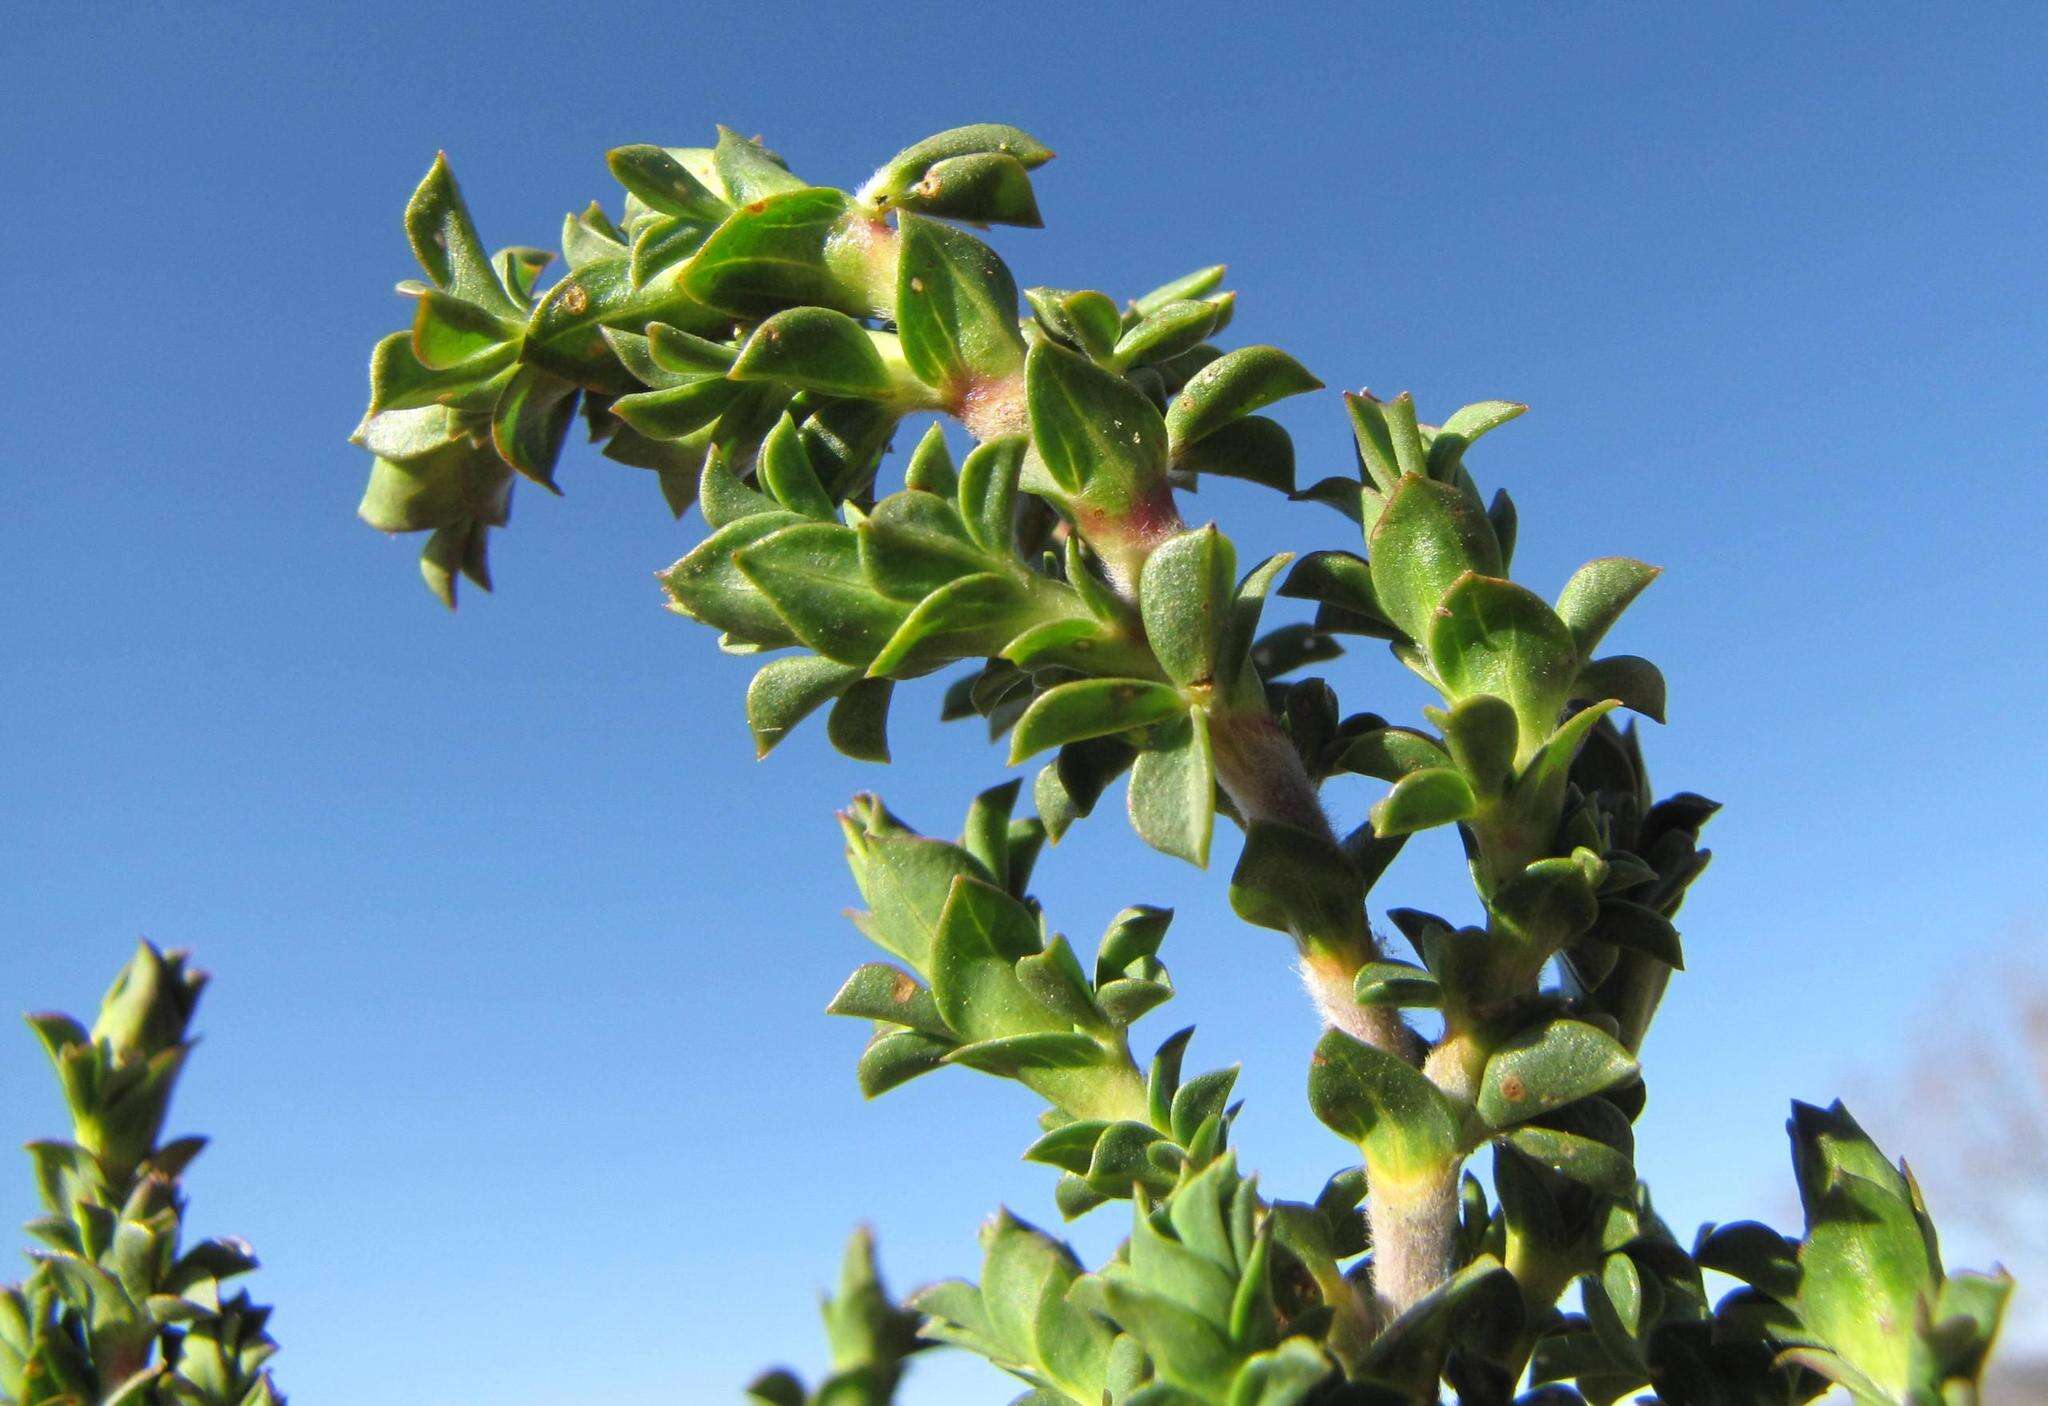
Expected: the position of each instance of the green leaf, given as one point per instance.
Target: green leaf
(531, 422)
(846, 440)
(708, 585)
(878, 991)
(1480, 1305)
(931, 465)
(1172, 329)
(1405, 435)
(1598, 593)
(956, 308)
(1194, 1269)
(1828, 1143)
(897, 1057)
(1255, 449)
(1370, 854)
(859, 723)
(1753, 1253)
(913, 543)
(662, 243)
(1280, 652)
(989, 187)
(1132, 940)
(664, 184)
(1163, 1080)
(1639, 929)
(1187, 1350)
(1500, 513)
(1201, 1098)
(1551, 902)
(1070, 1147)
(1481, 733)
(1396, 984)
(1492, 636)
(1098, 437)
(786, 691)
(986, 832)
(811, 574)
(1027, 1281)
(1865, 1265)
(905, 880)
(777, 1388)
(1447, 450)
(1428, 535)
(908, 166)
(1622, 1284)
(444, 240)
(453, 551)
(685, 353)
(400, 381)
(1184, 594)
(1548, 1066)
(1342, 579)
(749, 170)
(784, 469)
(774, 254)
(1055, 977)
(1063, 643)
(815, 349)
(1173, 792)
(1404, 1126)
(1085, 575)
(408, 435)
(453, 485)
(450, 334)
(1086, 708)
(1011, 1055)
(1200, 283)
(1391, 753)
(723, 498)
(1289, 1375)
(982, 934)
(1233, 386)
(678, 412)
(988, 492)
(1585, 1160)
(1296, 882)
(635, 352)
(590, 237)
(1967, 1319)
(1869, 1256)
(1127, 1000)
(1082, 319)
(565, 333)
(974, 615)
(1339, 494)
(1069, 787)
(1634, 682)
(1422, 800)
(1541, 787)
(1375, 439)
(956, 1314)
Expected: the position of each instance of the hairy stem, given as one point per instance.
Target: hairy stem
(1262, 774)
(1329, 981)
(1414, 1235)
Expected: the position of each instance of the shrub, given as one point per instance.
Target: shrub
(757, 342)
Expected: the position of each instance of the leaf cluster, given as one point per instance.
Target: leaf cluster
(759, 342)
(119, 1310)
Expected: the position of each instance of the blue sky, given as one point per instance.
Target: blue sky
(514, 1063)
